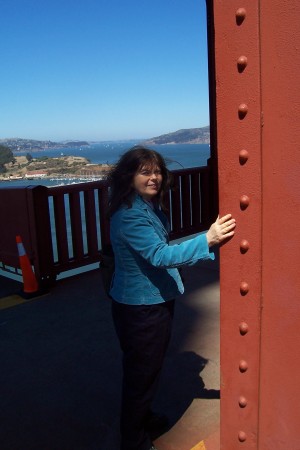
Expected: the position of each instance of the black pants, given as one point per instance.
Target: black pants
(144, 333)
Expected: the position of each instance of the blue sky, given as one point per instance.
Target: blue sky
(102, 69)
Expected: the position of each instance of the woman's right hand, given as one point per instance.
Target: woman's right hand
(221, 229)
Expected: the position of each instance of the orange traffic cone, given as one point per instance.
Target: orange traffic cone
(30, 284)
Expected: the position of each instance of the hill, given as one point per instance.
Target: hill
(185, 136)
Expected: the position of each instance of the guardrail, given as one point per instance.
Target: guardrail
(65, 227)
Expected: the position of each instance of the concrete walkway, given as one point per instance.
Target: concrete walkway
(61, 367)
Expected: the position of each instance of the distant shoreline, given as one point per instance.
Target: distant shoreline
(184, 136)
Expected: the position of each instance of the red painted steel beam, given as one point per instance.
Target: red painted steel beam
(279, 417)
(238, 118)
(257, 74)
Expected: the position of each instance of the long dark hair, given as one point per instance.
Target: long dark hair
(121, 176)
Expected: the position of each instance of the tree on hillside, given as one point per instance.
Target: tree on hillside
(6, 156)
(29, 157)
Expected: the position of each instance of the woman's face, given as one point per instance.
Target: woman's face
(147, 181)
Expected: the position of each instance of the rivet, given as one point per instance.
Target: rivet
(244, 288)
(242, 63)
(240, 16)
(243, 366)
(244, 328)
(242, 110)
(242, 401)
(244, 246)
(244, 202)
(243, 156)
(242, 436)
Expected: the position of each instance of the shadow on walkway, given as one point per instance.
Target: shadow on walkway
(61, 367)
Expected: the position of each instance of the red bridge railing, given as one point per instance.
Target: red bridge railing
(65, 227)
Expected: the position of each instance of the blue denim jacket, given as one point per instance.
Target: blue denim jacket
(145, 264)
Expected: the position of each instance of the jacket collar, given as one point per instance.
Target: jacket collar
(138, 201)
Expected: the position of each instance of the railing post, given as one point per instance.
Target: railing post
(175, 205)
(61, 228)
(195, 199)
(104, 220)
(186, 201)
(90, 220)
(40, 234)
(76, 225)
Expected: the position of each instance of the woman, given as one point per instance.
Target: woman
(146, 281)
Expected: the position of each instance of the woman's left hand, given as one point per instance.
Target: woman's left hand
(221, 229)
